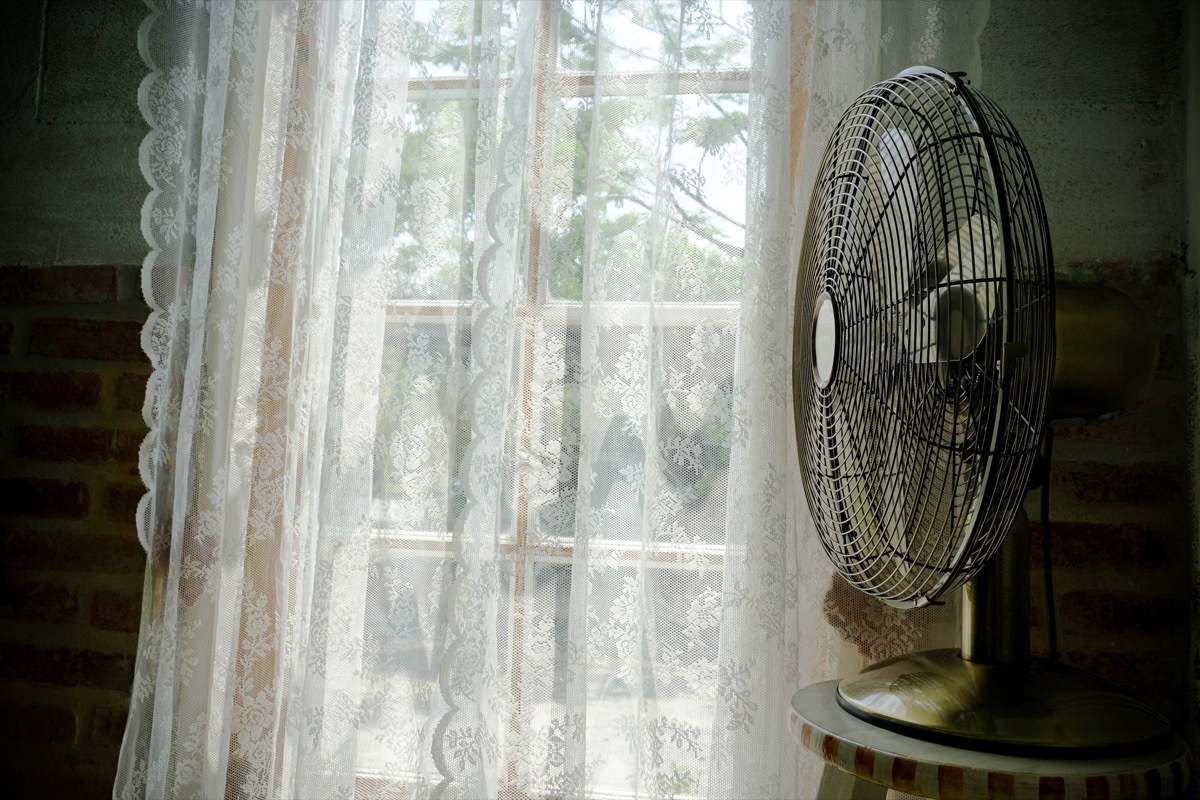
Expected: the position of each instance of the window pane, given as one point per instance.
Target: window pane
(445, 37)
(708, 182)
(650, 637)
(435, 204)
(640, 36)
(686, 414)
(409, 597)
(668, 205)
(405, 638)
(549, 470)
(444, 33)
(543, 728)
(441, 37)
(420, 435)
(681, 479)
(669, 649)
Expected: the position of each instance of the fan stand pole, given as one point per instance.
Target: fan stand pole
(995, 604)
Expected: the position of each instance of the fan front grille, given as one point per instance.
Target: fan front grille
(927, 236)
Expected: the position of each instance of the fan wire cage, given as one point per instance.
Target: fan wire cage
(924, 336)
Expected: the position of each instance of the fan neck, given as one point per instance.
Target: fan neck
(995, 604)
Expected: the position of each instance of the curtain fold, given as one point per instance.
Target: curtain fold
(471, 466)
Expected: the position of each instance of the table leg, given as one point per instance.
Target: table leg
(837, 784)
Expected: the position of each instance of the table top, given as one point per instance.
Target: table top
(942, 771)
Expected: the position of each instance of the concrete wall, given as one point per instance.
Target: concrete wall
(70, 129)
(1097, 91)
(1095, 87)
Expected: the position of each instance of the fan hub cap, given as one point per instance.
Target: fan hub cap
(825, 340)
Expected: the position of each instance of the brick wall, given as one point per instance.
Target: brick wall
(72, 375)
(1119, 507)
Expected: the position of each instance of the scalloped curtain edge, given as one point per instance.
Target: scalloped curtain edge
(151, 407)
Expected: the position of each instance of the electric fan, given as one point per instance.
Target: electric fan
(924, 362)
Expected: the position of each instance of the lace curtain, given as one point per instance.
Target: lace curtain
(470, 467)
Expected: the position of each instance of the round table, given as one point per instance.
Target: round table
(863, 761)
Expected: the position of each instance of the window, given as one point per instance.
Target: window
(638, 208)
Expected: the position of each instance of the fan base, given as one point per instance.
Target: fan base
(1039, 709)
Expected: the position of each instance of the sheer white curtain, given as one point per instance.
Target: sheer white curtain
(471, 467)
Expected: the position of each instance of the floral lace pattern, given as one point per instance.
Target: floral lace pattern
(470, 466)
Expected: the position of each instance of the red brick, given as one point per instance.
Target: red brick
(108, 727)
(44, 497)
(109, 340)
(66, 666)
(54, 551)
(53, 391)
(94, 445)
(121, 500)
(116, 611)
(40, 601)
(131, 391)
(39, 724)
(1096, 611)
(76, 284)
(1091, 544)
(1153, 483)
(51, 777)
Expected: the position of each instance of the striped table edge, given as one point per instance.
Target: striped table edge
(945, 782)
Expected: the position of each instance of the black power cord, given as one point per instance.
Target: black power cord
(1047, 570)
